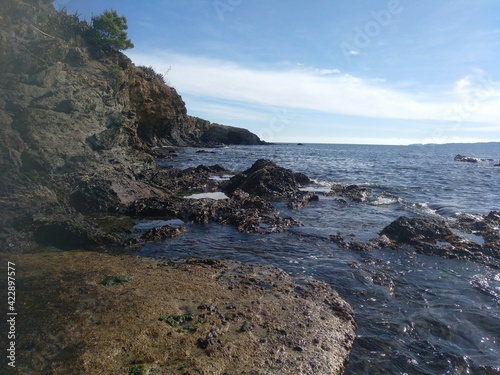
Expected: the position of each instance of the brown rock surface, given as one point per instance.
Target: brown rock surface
(227, 318)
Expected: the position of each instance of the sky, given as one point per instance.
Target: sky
(326, 71)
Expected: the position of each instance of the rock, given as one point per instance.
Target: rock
(227, 317)
(68, 114)
(302, 178)
(406, 230)
(434, 237)
(353, 192)
(302, 199)
(249, 214)
(496, 165)
(157, 234)
(229, 135)
(265, 179)
(466, 159)
(67, 232)
(486, 226)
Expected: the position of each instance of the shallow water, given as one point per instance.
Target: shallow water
(416, 314)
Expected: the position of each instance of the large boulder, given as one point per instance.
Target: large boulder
(412, 230)
(265, 179)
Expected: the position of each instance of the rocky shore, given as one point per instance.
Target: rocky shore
(80, 132)
(80, 137)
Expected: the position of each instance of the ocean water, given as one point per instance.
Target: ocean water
(416, 314)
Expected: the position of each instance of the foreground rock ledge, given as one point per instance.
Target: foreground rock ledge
(238, 318)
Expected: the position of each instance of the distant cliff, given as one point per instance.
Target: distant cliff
(67, 109)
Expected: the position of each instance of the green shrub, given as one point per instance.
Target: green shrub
(62, 24)
(150, 72)
(108, 31)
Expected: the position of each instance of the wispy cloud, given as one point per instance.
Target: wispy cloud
(322, 90)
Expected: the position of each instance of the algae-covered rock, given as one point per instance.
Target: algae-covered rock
(219, 317)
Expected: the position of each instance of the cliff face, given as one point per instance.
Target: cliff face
(65, 112)
(58, 104)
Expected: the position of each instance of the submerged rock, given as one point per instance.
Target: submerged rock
(469, 159)
(466, 159)
(157, 234)
(302, 199)
(353, 192)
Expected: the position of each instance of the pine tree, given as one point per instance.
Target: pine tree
(108, 31)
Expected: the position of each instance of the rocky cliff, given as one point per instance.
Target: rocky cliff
(67, 110)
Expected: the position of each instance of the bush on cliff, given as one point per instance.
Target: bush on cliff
(108, 31)
(151, 73)
(63, 24)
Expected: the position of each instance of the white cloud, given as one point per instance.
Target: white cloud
(324, 90)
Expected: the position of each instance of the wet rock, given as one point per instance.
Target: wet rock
(466, 159)
(178, 181)
(157, 234)
(302, 199)
(265, 179)
(249, 214)
(486, 226)
(469, 159)
(302, 178)
(353, 245)
(411, 230)
(435, 237)
(353, 192)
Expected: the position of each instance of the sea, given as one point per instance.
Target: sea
(416, 314)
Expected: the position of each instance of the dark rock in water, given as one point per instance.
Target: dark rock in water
(406, 230)
(496, 165)
(302, 178)
(230, 135)
(467, 159)
(487, 227)
(157, 234)
(265, 179)
(249, 214)
(302, 199)
(353, 192)
(205, 152)
(435, 237)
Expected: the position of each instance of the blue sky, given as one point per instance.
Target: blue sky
(329, 71)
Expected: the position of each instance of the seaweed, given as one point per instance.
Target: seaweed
(116, 279)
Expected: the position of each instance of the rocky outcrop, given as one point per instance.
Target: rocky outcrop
(195, 317)
(434, 236)
(353, 192)
(265, 179)
(249, 214)
(215, 134)
(79, 125)
(469, 159)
